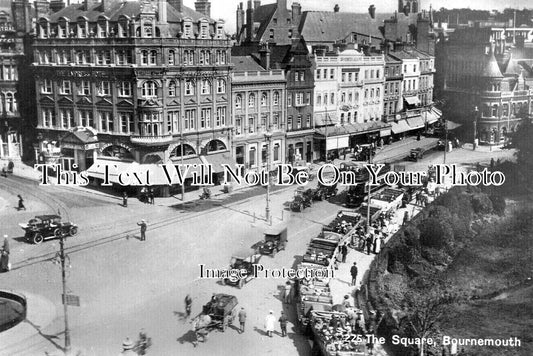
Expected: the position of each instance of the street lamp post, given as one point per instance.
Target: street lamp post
(183, 177)
(268, 137)
(445, 139)
(368, 196)
(62, 258)
(476, 112)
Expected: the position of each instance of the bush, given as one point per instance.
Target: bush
(435, 256)
(498, 204)
(461, 228)
(436, 233)
(399, 257)
(481, 203)
(412, 237)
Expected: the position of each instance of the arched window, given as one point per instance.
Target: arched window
(264, 99)
(221, 86)
(494, 110)
(62, 28)
(251, 100)
(238, 101)
(171, 58)
(102, 27)
(343, 97)
(44, 29)
(10, 103)
(149, 89)
(172, 89)
(319, 100)
(378, 92)
(206, 87)
(185, 148)
(153, 58)
(275, 98)
(204, 29)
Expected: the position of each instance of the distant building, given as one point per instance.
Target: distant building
(259, 110)
(145, 82)
(487, 84)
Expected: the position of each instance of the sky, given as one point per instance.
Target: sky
(225, 9)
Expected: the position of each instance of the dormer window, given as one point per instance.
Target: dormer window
(62, 28)
(204, 29)
(82, 28)
(187, 28)
(148, 30)
(102, 28)
(44, 29)
(220, 31)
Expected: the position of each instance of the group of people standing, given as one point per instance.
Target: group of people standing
(4, 256)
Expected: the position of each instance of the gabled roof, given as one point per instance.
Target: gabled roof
(403, 54)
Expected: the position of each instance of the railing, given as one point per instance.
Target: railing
(147, 140)
(352, 60)
(278, 72)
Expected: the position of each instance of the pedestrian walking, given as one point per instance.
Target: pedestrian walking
(125, 199)
(188, 305)
(344, 252)
(21, 203)
(287, 294)
(242, 320)
(353, 272)
(283, 324)
(4, 256)
(270, 322)
(143, 226)
(151, 196)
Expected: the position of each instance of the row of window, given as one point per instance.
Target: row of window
(347, 117)
(123, 57)
(8, 72)
(149, 122)
(516, 108)
(149, 89)
(252, 100)
(392, 88)
(410, 85)
(390, 108)
(252, 155)
(348, 97)
(105, 29)
(392, 71)
(252, 125)
(347, 76)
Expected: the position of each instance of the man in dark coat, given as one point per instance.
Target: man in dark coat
(369, 243)
(344, 252)
(125, 199)
(188, 305)
(283, 324)
(353, 272)
(242, 320)
(21, 203)
(143, 226)
(4, 256)
(151, 196)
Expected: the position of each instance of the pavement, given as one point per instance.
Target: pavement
(126, 285)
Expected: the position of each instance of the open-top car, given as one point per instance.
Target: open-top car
(275, 240)
(221, 310)
(241, 261)
(45, 227)
(323, 192)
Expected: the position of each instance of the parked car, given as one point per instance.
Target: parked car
(416, 154)
(323, 192)
(302, 199)
(275, 240)
(240, 262)
(45, 227)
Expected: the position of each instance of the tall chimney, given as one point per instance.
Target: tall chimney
(257, 3)
(240, 19)
(57, 5)
(372, 11)
(264, 54)
(162, 11)
(282, 4)
(203, 7)
(296, 12)
(249, 21)
(177, 4)
(42, 8)
(21, 15)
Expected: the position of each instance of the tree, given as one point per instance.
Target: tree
(524, 153)
(426, 307)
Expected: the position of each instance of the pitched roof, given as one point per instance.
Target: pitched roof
(491, 69)
(245, 64)
(119, 8)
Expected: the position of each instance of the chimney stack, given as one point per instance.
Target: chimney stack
(203, 7)
(42, 8)
(372, 11)
(162, 11)
(240, 19)
(282, 4)
(21, 10)
(296, 12)
(264, 54)
(257, 3)
(336, 8)
(57, 5)
(177, 4)
(249, 21)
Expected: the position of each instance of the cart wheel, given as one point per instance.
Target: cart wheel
(57, 232)
(73, 231)
(37, 239)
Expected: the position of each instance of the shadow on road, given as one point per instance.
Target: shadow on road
(50, 338)
(189, 336)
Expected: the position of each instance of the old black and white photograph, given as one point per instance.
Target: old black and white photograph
(266, 177)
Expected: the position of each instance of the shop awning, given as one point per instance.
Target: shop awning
(329, 118)
(412, 100)
(400, 126)
(113, 167)
(385, 133)
(450, 125)
(433, 116)
(217, 159)
(337, 142)
(416, 122)
(195, 164)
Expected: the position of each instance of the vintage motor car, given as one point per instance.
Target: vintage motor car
(222, 309)
(45, 227)
(275, 240)
(324, 192)
(302, 199)
(416, 154)
(238, 262)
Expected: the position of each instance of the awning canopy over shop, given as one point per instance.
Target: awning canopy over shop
(400, 126)
(450, 125)
(217, 159)
(412, 100)
(337, 142)
(112, 167)
(416, 122)
(385, 132)
(329, 118)
(433, 116)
